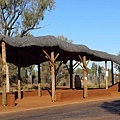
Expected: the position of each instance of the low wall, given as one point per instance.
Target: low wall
(35, 93)
(98, 93)
(31, 93)
(10, 99)
(62, 95)
(78, 94)
(115, 88)
(68, 94)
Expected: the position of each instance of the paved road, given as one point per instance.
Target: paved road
(109, 110)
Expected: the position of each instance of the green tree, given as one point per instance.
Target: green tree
(61, 37)
(78, 71)
(99, 74)
(63, 74)
(99, 71)
(117, 66)
(94, 69)
(18, 17)
(110, 76)
(26, 71)
(45, 72)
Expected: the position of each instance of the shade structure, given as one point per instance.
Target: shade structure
(30, 50)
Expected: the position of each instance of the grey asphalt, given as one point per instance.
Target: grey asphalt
(95, 110)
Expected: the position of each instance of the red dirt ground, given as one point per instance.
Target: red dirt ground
(30, 99)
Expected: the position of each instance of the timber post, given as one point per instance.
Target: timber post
(71, 75)
(52, 59)
(85, 92)
(112, 74)
(39, 82)
(106, 75)
(19, 84)
(4, 98)
(53, 77)
(85, 72)
(7, 78)
(19, 79)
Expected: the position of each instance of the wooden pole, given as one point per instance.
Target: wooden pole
(112, 73)
(39, 82)
(19, 86)
(71, 75)
(4, 99)
(106, 72)
(19, 81)
(53, 77)
(85, 92)
(7, 78)
(52, 59)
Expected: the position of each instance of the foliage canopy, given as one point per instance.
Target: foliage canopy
(18, 17)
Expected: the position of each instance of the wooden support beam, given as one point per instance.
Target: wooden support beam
(56, 56)
(7, 79)
(49, 58)
(6, 71)
(112, 73)
(80, 65)
(39, 82)
(85, 92)
(19, 85)
(19, 78)
(76, 63)
(106, 71)
(67, 68)
(76, 66)
(85, 72)
(53, 77)
(87, 62)
(71, 75)
(80, 58)
(4, 98)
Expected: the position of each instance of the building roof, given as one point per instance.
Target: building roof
(29, 50)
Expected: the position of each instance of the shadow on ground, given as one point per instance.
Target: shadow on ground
(112, 107)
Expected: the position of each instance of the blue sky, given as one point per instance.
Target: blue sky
(94, 23)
